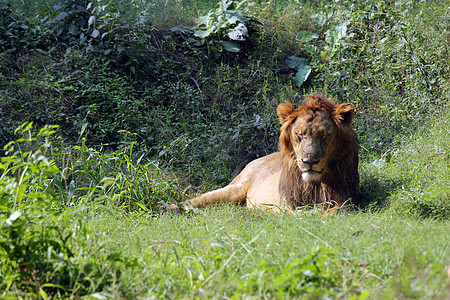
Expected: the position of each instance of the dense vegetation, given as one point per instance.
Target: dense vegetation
(151, 102)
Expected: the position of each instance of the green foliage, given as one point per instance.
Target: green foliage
(142, 75)
(17, 32)
(228, 20)
(314, 276)
(381, 57)
(301, 65)
(116, 179)
(44, 253)
(63, 94)
(333, 43)
(25, 174)
(86, 24)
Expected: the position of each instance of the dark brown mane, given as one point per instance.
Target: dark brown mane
(340, 178)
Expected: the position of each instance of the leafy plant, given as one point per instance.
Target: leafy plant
(229, 19)
(25, 176)
(335, 40)
(87, 24)
(302, 66)
(43, 252)
(120, 179)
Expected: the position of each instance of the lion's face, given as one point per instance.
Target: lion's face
(311, 137)
(309, 134)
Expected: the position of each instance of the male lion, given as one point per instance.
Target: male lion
(317, 162)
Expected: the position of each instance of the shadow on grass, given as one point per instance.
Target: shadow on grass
(379, 193)
(376, 191)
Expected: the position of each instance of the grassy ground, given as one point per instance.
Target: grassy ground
(414, 178)
(234, 253)
(397, 246)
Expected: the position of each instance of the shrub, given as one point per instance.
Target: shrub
(43, 252)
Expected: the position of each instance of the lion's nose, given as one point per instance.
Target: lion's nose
(310, 160)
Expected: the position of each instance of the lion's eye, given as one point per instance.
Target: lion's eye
(300, 136)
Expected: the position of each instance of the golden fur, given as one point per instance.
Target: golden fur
(317, 162)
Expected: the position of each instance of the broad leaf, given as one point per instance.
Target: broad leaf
(231, 47)
(302, 66)
(232, 20)
(91, 21)
(62, 16)
(203, 21)
(295, 62)
(334, 35)
(95, 33)
(302, 75)
(238, 33)
(73, 29)
(203, 33)
(311, 49)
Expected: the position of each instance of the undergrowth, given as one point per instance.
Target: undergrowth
(158, 85)
(43, 252)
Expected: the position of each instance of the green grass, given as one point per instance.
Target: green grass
(424, 166)
(395, 248)
(232, 252)
(414, 178)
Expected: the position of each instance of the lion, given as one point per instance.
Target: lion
(317, 162)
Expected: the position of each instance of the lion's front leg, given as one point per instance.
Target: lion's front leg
(232, 193)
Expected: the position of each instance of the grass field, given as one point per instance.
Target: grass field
(150, 106)
(229, 252)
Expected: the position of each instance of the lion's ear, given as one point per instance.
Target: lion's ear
(283, 111)
(344, 113)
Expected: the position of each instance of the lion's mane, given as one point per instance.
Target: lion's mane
(340, 179)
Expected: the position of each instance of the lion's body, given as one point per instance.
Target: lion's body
(317, 162)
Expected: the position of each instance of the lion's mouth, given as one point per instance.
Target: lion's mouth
(310, 172)
(305, 168)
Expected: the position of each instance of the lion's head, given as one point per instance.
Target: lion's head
(319, 145)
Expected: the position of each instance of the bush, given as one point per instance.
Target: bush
(43, 252)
